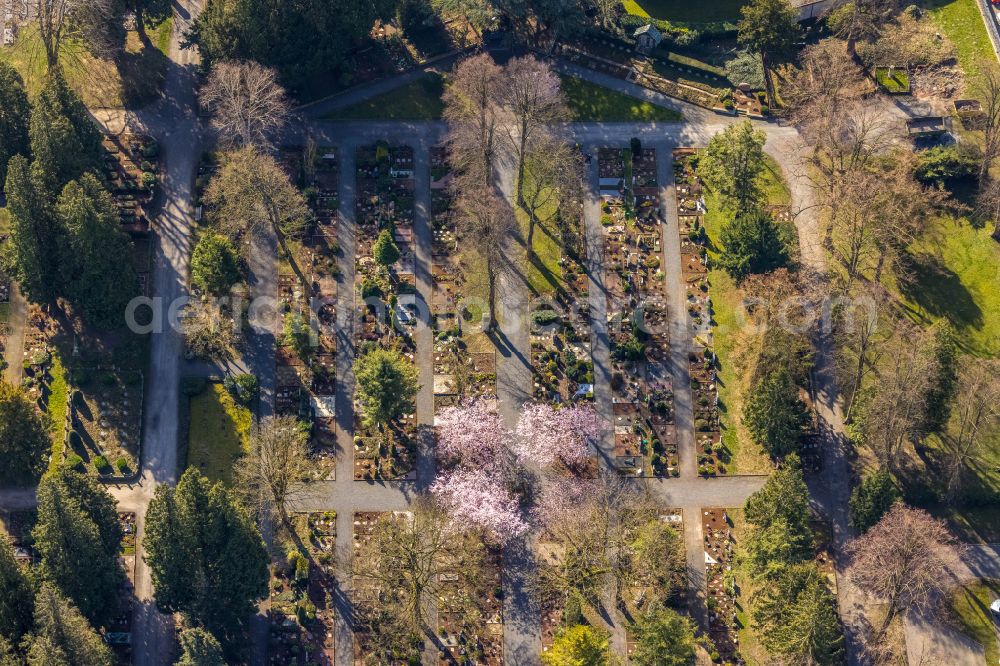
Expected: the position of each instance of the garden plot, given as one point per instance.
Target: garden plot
(301, 612)
(720, 549)
(323, 188)
(470, 626)
(461, 375)
(387, 454)
(641, 382)
(105, 414)
(119, 631)
(561, 351)
(702, 365)
(130, 170)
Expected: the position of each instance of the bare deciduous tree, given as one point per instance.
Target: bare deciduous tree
(267, 474)
(487, 222)
(252, 195)
(54, 19)
(555, 175)
(248, 104)
(401, 565)
(976, 416)
(530, 91)
(988, 92)
(472, 110)
(894, 402)
(988, 204)
(209, 333)
(826, 82)
(861, 336)
(900, 561)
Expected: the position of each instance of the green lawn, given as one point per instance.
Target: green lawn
(418, 100)
(958, 270)
(134, 80)
(962, 23)
(56, 407)
(971, 607)
(589, 102)
(686, 11)
(545, 275)
(747, 458)
(219, 432)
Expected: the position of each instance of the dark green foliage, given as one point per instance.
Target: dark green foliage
(62, 635)
(37, 239)
(946, 164)
(386, 385)
(298, 335)
(78, 539)
(771, 28)
(15, 595)
(214, 267)
(732, 165)
(774, 415)
(385, 251)
(779, 514)
(941, 393)
(100, 277)
(65, 141)
(422, 26)
(24, 440)
(635, 146)
(200, 649)
(871, 499)
(14, 113)
(206, 556)
(244, 388)
(795, 616)
(663, 638)
(753, 243)
(301, 39)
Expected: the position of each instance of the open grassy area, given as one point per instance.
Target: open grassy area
(897, 82)
(970, 605)
(133, 81)
(962, 23)
(589, 102)
(219, 432)
(544, 274)
(747, 458)
(56, 407)
(418, 100)
(685, 10)
(957, 272)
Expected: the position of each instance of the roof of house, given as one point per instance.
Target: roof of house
(649, 29)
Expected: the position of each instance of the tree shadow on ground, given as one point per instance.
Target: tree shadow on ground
(938, 291)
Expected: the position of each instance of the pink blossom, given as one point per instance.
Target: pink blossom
(477, 497)
(472, 433)
(546, 434)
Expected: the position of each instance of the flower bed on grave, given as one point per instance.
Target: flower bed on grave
(722, 591)
(641, 382)
(301, 612)
(105, 415)
(130, 172)
(387, 454)
(470, 627)
(702, 364)
(561, 351)
(322, 187)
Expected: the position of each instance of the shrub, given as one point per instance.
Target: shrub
(74, 461)
(102, 465)
(122, 465)
(81, 376)
(148, 180)
(544, 317)
(214, 266)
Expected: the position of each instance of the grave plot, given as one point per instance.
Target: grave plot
(17, 526)
(119, 631)
(561, 351)
(460, 374)
(644, 593)
(301, 612)
(470, 623)
(130, 171)
(105, 416)
(369, 614)
(641, 383)
(722, 592)
(323, 187)
(551, 607)
(386, 455)
(702, 366)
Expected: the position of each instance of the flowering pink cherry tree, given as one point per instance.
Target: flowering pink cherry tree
(546, 434)
(563, 499)
(478, 497)
(472, 433)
